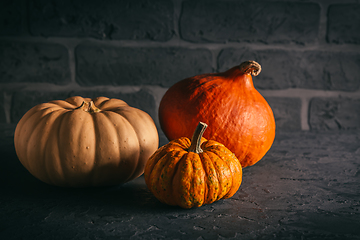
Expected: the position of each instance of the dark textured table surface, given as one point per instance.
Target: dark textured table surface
(306, 187)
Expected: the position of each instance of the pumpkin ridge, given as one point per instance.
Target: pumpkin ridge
(63, 120)
(105, 117)
(219, 178)
(38, 127)
(234, 167)
(60, 111)
(101, 146)
(137, 151)
(182, 143)
(182, 185)
(160, 153)
(112, 105)
(73, 161)
(28, 115)
(75, 101)
(149, 176)
(62, 104)
(62, 152)
(47, 160)
(167, 177)
(176, 182)
(34, 111)
(141, 147)
(19, 142)
(55, 159)
(197, 181)
(96, 153)
(100, 101)
(115, 129)
(154, 177)
(211, 183)
(25, 122)
(177, 170)
(223, 172)
(201, 158)
(152, 161)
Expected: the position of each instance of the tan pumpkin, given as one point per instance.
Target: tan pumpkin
(192, 173)
(85, 142)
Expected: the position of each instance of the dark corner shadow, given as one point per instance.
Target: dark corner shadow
(16, 183)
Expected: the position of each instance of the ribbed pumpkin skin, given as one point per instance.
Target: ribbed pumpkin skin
(181, 178)
(64, 145)
(237, 114)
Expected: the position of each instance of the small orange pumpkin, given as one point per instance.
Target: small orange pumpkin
(190, 174)
(83, 142)
(238, 116)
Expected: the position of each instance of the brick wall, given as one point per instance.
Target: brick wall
(134, 50)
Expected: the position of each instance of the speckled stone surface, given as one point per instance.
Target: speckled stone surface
(306, 187)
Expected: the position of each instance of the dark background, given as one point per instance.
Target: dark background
(306, 187)
(135, 50)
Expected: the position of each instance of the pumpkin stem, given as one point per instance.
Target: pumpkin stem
(88, 107)
(196, 138)
(250, 67)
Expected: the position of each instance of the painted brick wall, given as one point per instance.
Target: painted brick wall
(136, 49)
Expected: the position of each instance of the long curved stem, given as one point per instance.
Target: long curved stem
(196, 138)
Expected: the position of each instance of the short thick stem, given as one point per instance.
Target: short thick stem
(196, 138)
(250, 67)
(88, 107)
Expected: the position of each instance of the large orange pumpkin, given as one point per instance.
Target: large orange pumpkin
(85, 142)
(192, 173)
(237, 114)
